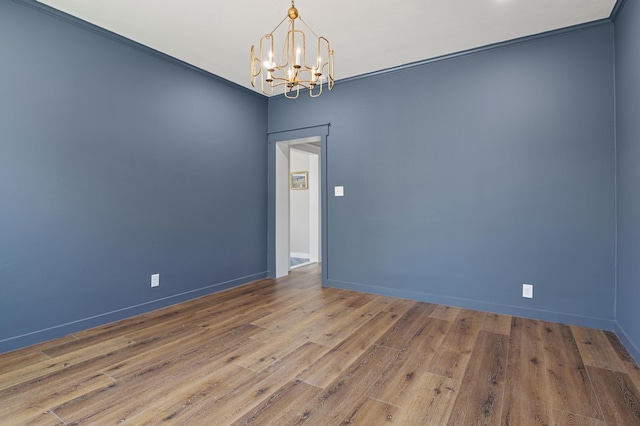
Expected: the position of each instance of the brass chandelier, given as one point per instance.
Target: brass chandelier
(295, 68)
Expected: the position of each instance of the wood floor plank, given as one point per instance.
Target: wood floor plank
(453, 355)
(68, 387)
(631, 367)
(389, 304)
(183, 311)
(446, 313)
(87, 340)
(340, 325)
(569, 385)
(619, 398)
(479, 401)
(275, 299)
(407, 326)
(20, 358)
(343, 327)
(562, 418)
(596, 350)
(526, 398)
(288, 405)
(33, 417)
(30, 354)
(400, 379)
(617, 345)
(163, 356)
(105, 360)
(215, 318)
(357, 300)
(231, 319)
(321, 319)
(324, 371)
(398, 306)
(196, 396)
(111, 408)
(431, 403)
(298, 275)
(42, 368)
(370, 412)
(496, 323)
(51, 381)
(634, 372)
(297, 311)
(107, 405)
(233, 405)
(336, 401)
(270, 352)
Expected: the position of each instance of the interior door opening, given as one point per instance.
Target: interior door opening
(298, 211)
(304, 204)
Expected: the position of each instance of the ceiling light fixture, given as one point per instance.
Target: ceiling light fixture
(293, 69)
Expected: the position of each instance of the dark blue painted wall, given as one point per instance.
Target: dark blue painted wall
(116, 164)
(467, 177)
(628, 174)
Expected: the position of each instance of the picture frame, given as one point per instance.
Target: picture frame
(299, 180)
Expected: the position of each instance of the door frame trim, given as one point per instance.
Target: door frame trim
(321, 131)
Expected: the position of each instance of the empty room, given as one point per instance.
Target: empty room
(421, 213)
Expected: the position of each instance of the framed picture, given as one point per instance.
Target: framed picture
(299, 180)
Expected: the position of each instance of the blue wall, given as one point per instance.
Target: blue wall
(628, 174)
(116, 163)
(467, 177)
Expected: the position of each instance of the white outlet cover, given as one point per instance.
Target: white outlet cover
(339, 191)
(527, 291)
(155, 280)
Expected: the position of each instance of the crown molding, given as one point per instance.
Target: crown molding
(615, 13)
(546, 34)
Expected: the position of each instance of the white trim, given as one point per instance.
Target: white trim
(282, 209)
(301, 255)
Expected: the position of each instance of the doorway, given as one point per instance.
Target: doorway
(297, 223)
(304, 205)
(313, 142)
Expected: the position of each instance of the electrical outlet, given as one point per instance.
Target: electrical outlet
(527, 291)
(155, 280)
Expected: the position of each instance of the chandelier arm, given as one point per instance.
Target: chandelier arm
(308, 27)
(278, 26)
(317, 94)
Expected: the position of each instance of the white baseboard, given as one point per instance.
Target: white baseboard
(300, 255)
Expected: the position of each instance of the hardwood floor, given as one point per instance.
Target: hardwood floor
(290, 352)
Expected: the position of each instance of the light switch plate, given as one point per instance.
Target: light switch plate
(339, 191)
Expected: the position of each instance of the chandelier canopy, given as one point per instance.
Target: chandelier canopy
(296, 67)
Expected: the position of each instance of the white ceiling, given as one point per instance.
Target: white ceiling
(367, 36)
